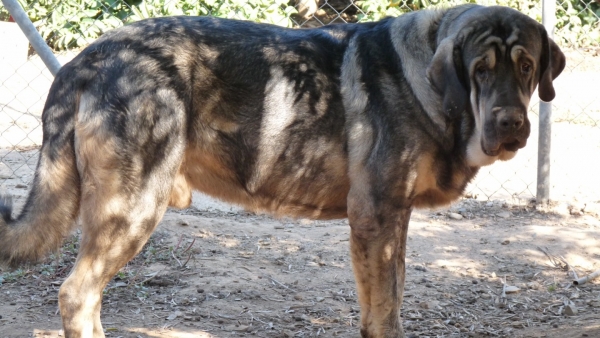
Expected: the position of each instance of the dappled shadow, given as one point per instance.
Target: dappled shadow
(254, 275)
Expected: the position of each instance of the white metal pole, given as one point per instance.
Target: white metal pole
(545, 122)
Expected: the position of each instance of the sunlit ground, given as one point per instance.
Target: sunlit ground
(142, 332)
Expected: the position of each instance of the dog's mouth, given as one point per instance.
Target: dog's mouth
(511, 146)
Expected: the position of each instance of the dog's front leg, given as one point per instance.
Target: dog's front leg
(378, 245)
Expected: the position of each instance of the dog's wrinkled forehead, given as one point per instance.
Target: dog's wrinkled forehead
(502, 32)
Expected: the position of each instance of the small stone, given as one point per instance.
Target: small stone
(240, 328)
(511, 289)
(570, 310)
(21, 186)
(456, 216)
(278, 227)
(420, 267)
(298, 297)
(200, 290)
(183, 223)
(174, 315)
(575, 212)
(320, 299)
(517, 324)
(428, 305)
(505, 242)
(576, 208)
(504, 214)
(474, 281)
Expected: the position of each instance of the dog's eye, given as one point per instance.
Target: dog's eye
(525, 68)
(481, 72)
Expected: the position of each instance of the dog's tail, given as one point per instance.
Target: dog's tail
(51, 209)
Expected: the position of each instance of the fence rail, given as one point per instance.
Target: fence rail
(67, 26)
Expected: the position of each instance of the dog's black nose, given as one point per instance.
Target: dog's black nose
(509, 120)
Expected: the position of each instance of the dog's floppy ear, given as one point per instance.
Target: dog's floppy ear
(445, 72)
(552, 63)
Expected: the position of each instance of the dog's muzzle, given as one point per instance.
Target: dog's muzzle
(507, 129)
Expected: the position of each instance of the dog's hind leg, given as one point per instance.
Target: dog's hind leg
(126, 184)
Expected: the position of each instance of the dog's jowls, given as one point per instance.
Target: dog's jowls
(364, 121)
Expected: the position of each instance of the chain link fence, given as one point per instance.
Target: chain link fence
(68, 26)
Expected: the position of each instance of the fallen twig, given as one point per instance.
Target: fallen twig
(178, 261)
(572, 270)
(189, 247)
(273, 280)
(585, 279)
(557, 261)
(178, 243)
(189, 257)
(149, 277)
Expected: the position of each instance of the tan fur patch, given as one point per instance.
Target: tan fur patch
(206, 172)
(181, 195)
(426, 192)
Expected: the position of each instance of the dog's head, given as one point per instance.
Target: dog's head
(489, 61)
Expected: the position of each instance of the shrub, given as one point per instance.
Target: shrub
(577, 21)
(76, 23)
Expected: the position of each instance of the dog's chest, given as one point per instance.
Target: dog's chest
(436, 182)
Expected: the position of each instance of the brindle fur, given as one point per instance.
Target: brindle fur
(365, 121)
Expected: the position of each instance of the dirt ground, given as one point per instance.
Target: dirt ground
(218, 271)
(221, 273)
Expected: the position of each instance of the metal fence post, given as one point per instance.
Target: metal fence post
(545, 118)
(37, 42)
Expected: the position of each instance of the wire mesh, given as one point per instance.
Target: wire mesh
(69, 26)
(576, 110)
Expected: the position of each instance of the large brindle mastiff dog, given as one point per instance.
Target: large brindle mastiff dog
(365, 121)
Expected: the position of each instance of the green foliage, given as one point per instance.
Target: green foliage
(13, 276)
(578, 22)
(271, 11)
(373, 10)
(76, 23)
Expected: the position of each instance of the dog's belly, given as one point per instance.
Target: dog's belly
(314, 184)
